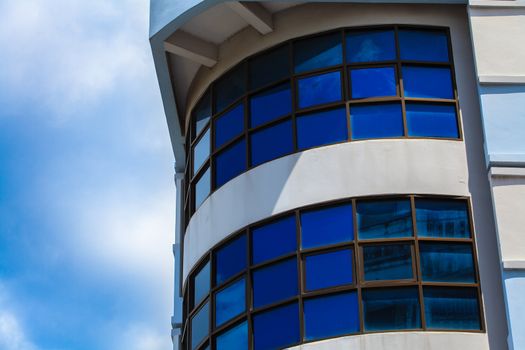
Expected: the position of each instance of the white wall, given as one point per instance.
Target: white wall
(403, 341)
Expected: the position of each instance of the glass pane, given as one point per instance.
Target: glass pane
(376, 121)
(331, 316)
(277, 328)
(329, 269)
(427, 82)
(230, 259)
(202, 284)
(321, 128)
(230, 163)
(274, 239)
(202, 113)
(272, 142)
(318, 52)
(391, 309)
(447, 262)
(327, 226)
(229, 125)
(202, 188)
(373, 82)
(370, 46)
(235, 338)
(229, 302)
(451, 308)
(319, 89)
(442, 218)
(229, 88)
(201, 151)
(423, 45)
(275, 283)
(270, 104)
(432, 120)
(270, 67)
(384, 219)
(388, 262)
(200, 325)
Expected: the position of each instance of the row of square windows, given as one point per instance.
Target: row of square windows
(439, 262)
(321, 51)
(325, 88)
(337, 314)
(273, 243)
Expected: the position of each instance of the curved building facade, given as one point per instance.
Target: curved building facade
(331, 177)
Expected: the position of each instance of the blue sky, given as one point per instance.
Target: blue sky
(86, 179)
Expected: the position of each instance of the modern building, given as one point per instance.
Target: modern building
(350, 174)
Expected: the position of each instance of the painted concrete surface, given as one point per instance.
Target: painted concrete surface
(403, 341)
(509, 205)
(504, 121)
(497, 36)
(514, 294)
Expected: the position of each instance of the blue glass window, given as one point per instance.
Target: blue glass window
(201, 152)
(229, 125)
(321, 128)
(274, 240)
(391, 308)
(318, 52)
(270, 105)
(230, 163)
(230, 259)
(270, 67)
(376, 121)
(442, 218)
(423, 45)
(331, 316)
(275, 283)
(202, 113)
(319, 89)
(277, 328)
(329, 269)
(384, 219)
(201, 283)
(373, 82)
(271, 142)
(200, 325)
(327, 226)
(388, 262)
(447, 262)
(235, 338)
(202, 188)
(230, 87)
(427, 82)
(432, 120)
(229, 302)
(370, 46)
(452, 308)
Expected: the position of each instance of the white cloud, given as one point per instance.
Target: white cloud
(12, 334)
(63, 55)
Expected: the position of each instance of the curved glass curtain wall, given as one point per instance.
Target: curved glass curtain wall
(348, 267)
(339, 86)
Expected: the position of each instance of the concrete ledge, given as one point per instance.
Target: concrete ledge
(403, 341)
(514, 264)
(502, 79)
(497, 3)
(508, 171)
